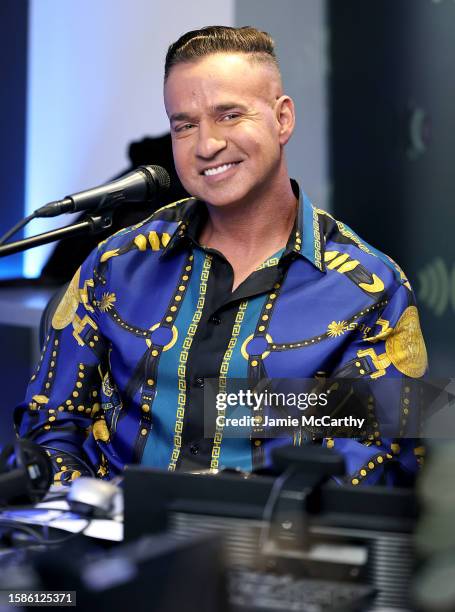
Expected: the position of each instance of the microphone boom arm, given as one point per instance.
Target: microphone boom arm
(93, 224)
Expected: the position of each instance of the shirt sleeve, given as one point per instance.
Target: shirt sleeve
(61, 409)
(394, 349)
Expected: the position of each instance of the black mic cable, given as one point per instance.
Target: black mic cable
(19, 225)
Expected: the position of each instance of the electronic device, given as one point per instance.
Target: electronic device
(158, 573)
(25, 473)
(268, 592)
(94, 498)
(304, 528)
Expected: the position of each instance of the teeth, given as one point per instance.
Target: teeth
(219, 170)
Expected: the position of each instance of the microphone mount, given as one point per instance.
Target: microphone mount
(92, 224)
(140, 185)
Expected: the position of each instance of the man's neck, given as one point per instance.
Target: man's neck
(260, 226)
(248, 234)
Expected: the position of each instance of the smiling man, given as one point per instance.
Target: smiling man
(246, 279)
(230, 122)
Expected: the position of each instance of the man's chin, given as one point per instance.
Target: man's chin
(223, 198)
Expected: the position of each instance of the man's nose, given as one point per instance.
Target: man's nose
(210, 141)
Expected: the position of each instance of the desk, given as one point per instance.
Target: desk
(50, 513)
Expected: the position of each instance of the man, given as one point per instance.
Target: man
(244, 280)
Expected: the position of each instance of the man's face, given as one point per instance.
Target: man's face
(226, 116)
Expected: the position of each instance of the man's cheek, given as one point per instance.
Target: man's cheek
(182, 165)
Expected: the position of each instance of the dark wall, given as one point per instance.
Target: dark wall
(13, 77)
(392, 140)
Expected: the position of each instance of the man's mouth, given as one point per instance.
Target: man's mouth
(219, 169)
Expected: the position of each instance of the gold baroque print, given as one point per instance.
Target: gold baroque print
(380, 362)
(40, 399)
(68, 305)
(406, 347)
(84, 294)
(79, 326)
(107, 387)
(108, 255)
(100, 430)
(107, 301)
(103, 469)
(353, 269)
(157, 240)
(385, 332)
(349, 325)
(337, 328)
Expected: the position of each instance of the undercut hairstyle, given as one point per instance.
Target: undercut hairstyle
(221, 39)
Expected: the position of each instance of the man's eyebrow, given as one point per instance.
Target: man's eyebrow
(227, 106)
(218, 108)
(180, 117)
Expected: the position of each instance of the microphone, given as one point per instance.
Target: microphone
(140, 185)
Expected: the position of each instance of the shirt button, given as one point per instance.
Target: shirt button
(215, 320)
(194, 449)
(199, 382)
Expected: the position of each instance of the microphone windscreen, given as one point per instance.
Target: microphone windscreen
(157, 177)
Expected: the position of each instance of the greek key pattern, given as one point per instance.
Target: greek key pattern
(154, 355)
(216, 449)
(86, 294)
(348, 234)
(181, 372)
(255, 363)
(273, 261)
(317, 240)
(79, 326)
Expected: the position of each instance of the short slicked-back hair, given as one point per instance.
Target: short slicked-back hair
(221, 39)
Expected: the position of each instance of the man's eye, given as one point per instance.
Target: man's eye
(230, 116)
(184, 127)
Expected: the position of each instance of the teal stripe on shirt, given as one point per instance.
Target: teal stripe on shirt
(160, 443)
(236, 452)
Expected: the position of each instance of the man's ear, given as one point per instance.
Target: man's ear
(285, 114)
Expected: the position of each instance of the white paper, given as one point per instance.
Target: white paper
(104, 529)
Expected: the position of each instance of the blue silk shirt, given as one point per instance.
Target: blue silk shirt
(151, 314)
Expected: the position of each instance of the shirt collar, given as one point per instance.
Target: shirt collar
(305, 240)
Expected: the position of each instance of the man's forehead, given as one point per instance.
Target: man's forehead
(218, 75)
(227, 63)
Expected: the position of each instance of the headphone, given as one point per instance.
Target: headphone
(26, 473)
